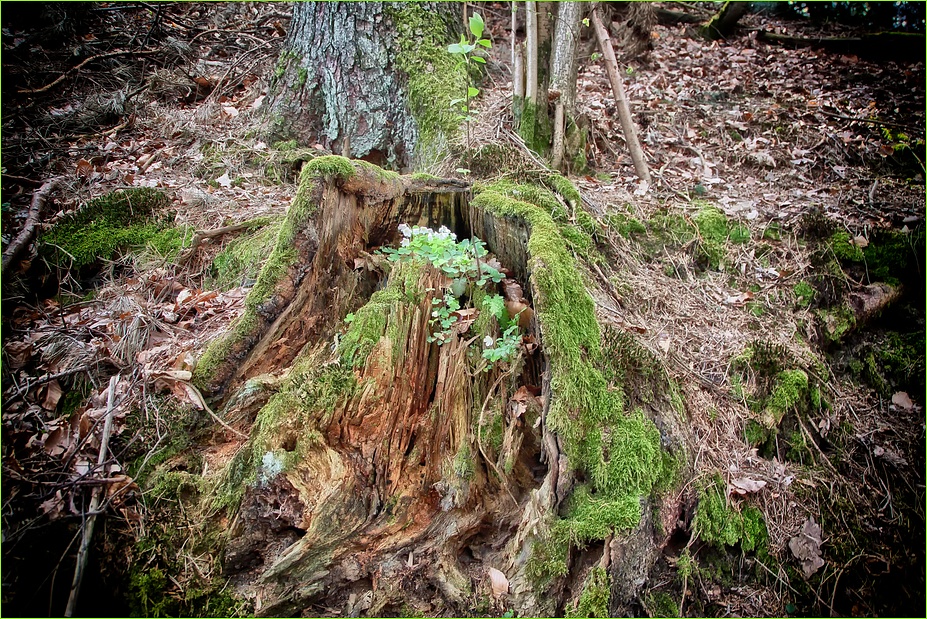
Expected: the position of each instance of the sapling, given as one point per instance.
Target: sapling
(466, 52)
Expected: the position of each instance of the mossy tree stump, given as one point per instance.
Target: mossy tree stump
(388, 473)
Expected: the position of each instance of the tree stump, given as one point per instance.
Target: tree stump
(388, 472)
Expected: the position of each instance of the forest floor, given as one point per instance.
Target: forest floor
(793, 146)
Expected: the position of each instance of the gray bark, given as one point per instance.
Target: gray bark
(563, 73)
(338, 83)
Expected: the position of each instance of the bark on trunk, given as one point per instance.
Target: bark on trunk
(371, 78)
(563, 74)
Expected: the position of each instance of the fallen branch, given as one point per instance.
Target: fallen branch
(624, 110)
(200, 236)
(63, 76)
(39, 198)
(88, 525)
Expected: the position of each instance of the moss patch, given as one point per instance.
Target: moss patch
(243, 257)
(723, 524)
(618, 451)
(593, 601)
(435, 78)
(330, 166)
(106, 225)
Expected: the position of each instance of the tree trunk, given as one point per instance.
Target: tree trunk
(388, 474)
(723, 23)
(563, 74)
(535, 124)
(375, 77)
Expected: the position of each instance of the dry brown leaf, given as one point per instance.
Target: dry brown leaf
(84, 168)
(902, 400)
(806, 547)
(745, 485)
(500, 584)
(53, 393)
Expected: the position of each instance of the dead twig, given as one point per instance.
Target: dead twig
(39, 198)
(78, 67)
(88, 526)
(203, 235)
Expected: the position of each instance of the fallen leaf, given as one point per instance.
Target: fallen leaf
(860, 241)
(18, 354)
(53, 393)
(744, 485)
(84, 168)
(230, 111)
(903, 401)
(500, 584)
(806, 547)
(224, 180)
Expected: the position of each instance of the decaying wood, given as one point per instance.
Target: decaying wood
(25, 236)
(624, 110)
(88, 525)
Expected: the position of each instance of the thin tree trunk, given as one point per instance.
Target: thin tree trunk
(563, 73)
(624, 110)
(531, 42)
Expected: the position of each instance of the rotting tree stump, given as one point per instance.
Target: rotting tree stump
(387, 473)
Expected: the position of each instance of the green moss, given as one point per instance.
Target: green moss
(593, 601)
(423, 177)
(660, 604)
(723, 524)
(804, 293)
(843, 248)
(435, 77)
(372, 321)
(894, 256)
(286, 427)
(625, 225)
(836, 322)
(380, 173)
(107, 225)
(535, 128)
(330, 166)
(713, 229)
(789, 391)
(277, 265)
(243, 257)
(619, 452)
(755, 434)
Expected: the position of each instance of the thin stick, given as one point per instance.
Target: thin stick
(61, 78)
(624, 110)
(39, 198)
(88, 525)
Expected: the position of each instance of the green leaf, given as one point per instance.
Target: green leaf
(349, 318)
(477, 25)
(472, 92)
(478, 59)
(485, 43)
(456, 48)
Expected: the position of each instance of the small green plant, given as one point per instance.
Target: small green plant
(463, 262)
(466, 52)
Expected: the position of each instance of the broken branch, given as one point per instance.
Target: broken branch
(624, 110)
(39, 198)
